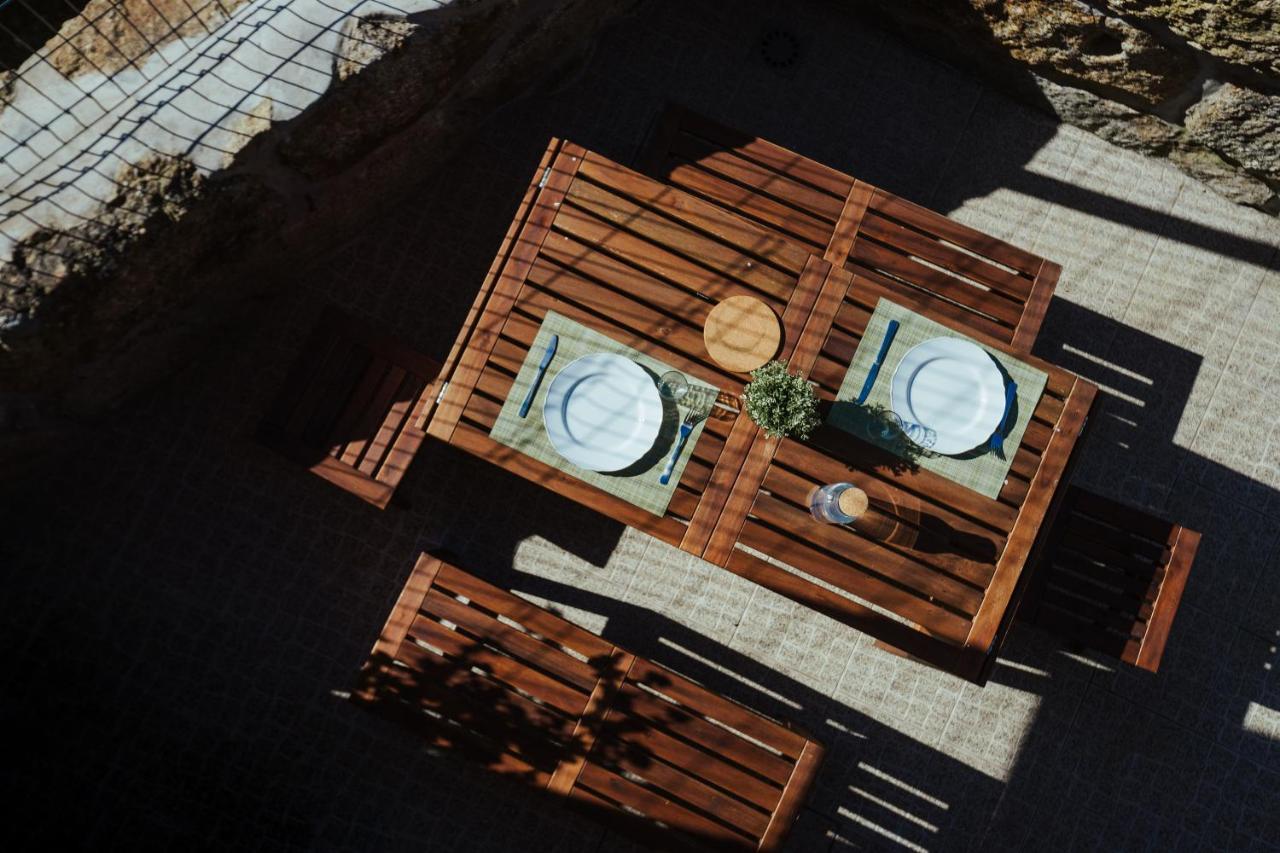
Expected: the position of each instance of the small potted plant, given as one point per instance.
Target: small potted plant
(781, 403)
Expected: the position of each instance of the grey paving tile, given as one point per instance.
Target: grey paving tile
(913, 699)
(810, 648)
(678, 586)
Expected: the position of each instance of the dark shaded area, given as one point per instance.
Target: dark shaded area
(25, 26)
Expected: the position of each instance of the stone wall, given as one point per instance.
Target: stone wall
(1196, 81)
(95, 311)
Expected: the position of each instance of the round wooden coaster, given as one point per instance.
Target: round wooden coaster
(742, 333)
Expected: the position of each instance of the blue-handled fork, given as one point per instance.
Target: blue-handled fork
(696, 413)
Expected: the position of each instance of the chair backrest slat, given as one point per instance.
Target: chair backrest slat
(350, 407)
(1111, 578)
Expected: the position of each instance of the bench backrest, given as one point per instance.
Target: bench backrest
(530, 695)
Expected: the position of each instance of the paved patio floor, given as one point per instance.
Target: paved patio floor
(182, 611)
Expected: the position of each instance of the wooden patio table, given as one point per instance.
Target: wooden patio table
(644, 263)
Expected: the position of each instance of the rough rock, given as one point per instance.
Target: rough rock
(386, 95)
(110, 35)
(1065, 41)
(1245, 32)
(1139, 131)
(88, 303)
(1074, 44)
(423, 66)
(366, 40)
(157, 189)
(1225, 178)
(1114, 122)
(1129, 70)
(1242, 124)
(91, 314)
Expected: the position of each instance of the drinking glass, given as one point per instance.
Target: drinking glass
(921, 435)
(673, 386)
(892, 427)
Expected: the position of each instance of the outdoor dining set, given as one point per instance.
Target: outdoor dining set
(787, 372)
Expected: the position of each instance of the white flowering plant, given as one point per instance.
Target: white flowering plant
(781, 403)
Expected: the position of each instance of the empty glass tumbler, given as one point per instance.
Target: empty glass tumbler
(838, 503)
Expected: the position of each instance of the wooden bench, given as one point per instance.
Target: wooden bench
(351, 406)
(894, 248)
(1110, 578)
(531, 696)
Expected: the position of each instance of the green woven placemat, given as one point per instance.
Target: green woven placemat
(979, 469)
(638, 484)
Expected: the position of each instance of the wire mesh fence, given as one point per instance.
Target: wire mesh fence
(91, 89)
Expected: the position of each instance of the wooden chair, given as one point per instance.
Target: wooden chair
(1110, 578)
(536, 698)
(895, 249)
(351, 406)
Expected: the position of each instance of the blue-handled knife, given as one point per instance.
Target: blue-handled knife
(875, 366)
(997, 438)
(542, 369)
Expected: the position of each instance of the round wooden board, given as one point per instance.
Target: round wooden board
(742, 333)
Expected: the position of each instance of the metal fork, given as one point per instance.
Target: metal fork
(696, 413)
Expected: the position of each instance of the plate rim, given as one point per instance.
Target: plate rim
(550, 413)
(896, 395)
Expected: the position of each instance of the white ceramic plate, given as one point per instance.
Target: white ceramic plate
(602, 412)
(952, 387)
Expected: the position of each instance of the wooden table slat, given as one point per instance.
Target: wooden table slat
(747, 173)
(915, 543)
(944, 255)
(953, 232)
(778, 159)
(881, 258)
(699, 216)
(800, 227)
(1009, 571)
(869, 587)
(745, 259)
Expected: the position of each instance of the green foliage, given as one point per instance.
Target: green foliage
(781, 403)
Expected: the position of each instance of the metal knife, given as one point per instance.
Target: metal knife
(875, 366)
(542, 369)
(997, 438)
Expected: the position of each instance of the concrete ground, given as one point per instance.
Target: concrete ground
(183, 611)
